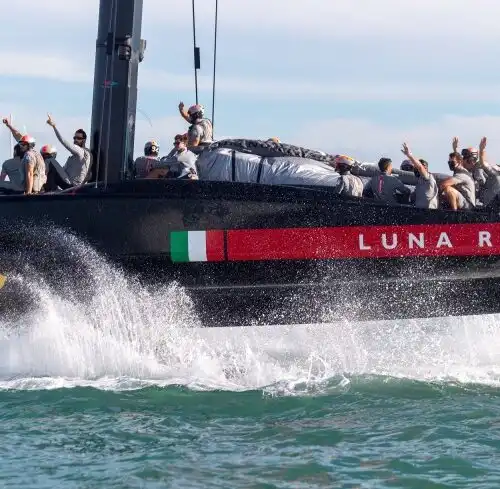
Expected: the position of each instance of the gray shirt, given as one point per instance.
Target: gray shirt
(34, 158)
(202, 129)
(465, 185)
(179, 163)
(386, 187)
(426, 192)
(14, 169)
(349, 185)
(78, 165)
(143, 165)
(491, 187)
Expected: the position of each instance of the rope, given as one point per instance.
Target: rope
(215, 65)
(196, 55)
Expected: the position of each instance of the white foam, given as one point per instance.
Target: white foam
(130, 338)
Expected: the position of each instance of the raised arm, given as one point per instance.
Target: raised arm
(422, 170)
(183, 112)
(482, 163)
(482, 152)
(72, 148)
(17, 135)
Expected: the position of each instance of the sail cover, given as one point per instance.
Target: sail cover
(265, 162)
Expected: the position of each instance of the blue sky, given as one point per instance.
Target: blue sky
(345, 76)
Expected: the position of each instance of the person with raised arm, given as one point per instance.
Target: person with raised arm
(471, 164)
(76, 171)
(426, 189)
(492, 184)
(200, 131)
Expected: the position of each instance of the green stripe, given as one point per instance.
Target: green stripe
(179, 246)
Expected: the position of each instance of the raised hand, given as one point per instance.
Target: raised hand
(406, 150)
(482, 144)
(50, 121)
(455, 143)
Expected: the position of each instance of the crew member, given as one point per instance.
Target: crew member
(144, 164)
(349, 184)
(459, 191)
(76, 171)
(491, 188)
(33, 164)
(406, 165)
(13, 169)
(470, 158)
(426, 189)
(49, 155)
(180, 162)
(200, 132)
(385, 186)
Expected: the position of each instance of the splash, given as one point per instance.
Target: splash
(128, 337)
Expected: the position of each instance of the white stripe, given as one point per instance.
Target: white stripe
(197, 245)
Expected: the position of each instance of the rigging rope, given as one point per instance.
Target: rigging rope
(196, 55)
(215, 65)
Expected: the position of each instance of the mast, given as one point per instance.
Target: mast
(119, 50)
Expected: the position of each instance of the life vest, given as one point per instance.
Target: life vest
(206, 130)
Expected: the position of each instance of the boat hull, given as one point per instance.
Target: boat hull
(273, 254)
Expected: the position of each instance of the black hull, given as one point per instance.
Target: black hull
(130, 223)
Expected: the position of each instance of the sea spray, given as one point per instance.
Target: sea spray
(123, 336)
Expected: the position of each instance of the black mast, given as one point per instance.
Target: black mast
(118, 53)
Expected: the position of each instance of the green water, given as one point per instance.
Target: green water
(373, 432)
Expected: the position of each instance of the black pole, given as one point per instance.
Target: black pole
(119, 49)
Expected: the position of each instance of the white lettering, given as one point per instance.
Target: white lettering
(420, 241)
(484, 238)
(444, 241)
(393, 244)
(362, 245)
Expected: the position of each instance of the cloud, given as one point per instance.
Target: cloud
(31, 65)
(315, 18)
(63, 69)
(343, 18)
(365, 90)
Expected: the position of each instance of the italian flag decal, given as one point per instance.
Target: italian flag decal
(331, 243)
(188, 246)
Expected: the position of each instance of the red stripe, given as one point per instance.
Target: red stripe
(361, 242)
(215, 245)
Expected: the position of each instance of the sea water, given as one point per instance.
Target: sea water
(130, 392)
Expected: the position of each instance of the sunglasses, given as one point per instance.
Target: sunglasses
(78, 138)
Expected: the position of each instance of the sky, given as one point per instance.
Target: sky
(358, 77)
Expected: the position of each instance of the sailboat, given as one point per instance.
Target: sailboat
(247, 252)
